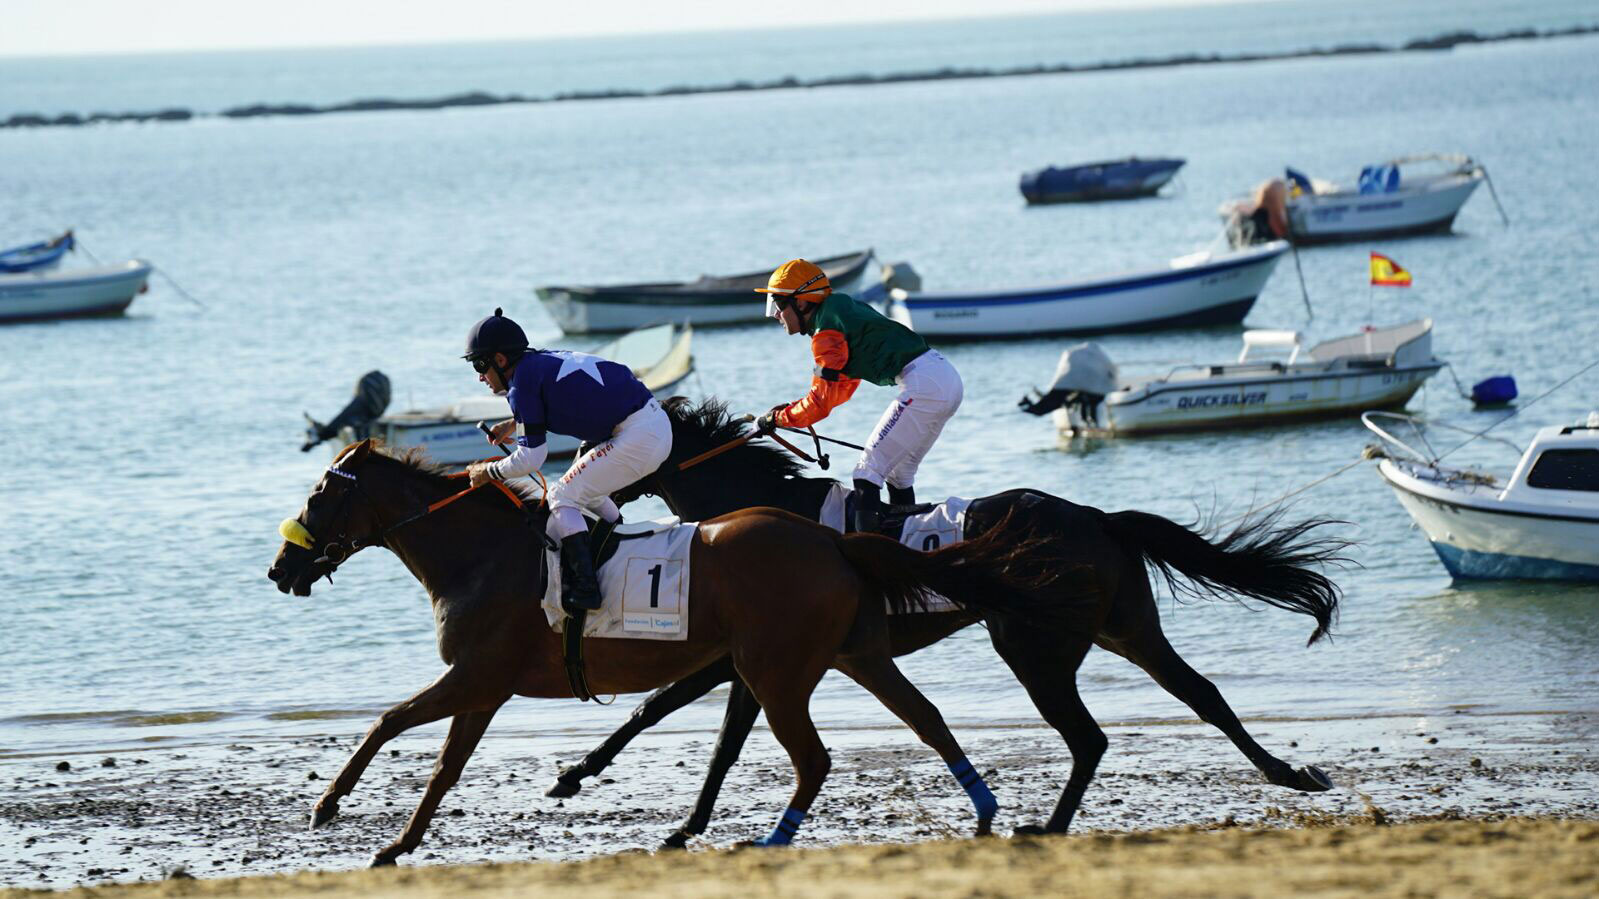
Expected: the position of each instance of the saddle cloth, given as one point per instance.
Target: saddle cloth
(644, 585)
(942, 525)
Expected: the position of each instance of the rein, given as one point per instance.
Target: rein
(334, 552)
(820, 459)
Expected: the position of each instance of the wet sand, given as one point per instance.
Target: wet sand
(241, 808)
(1515, 857)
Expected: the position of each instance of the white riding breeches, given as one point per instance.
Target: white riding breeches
(930, 392)
(638, 446)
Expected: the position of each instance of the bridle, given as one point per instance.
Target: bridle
(340, 547)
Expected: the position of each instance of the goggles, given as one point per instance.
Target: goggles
(480, 364)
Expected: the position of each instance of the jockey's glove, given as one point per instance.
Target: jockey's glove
(767, 423)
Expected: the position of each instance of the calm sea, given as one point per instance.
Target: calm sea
(150, 457)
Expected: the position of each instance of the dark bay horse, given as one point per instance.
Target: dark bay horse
(1262, 559)
(783, 598)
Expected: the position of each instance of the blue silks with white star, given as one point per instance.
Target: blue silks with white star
(576, 394)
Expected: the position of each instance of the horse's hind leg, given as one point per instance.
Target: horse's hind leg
(742, 710)
(465, 731)
(1046, 664)
(649, 713)
(782, 683)
(1147, 648)
(452, 693)
(883, 678)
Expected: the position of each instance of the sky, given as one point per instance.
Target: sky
(74, 27)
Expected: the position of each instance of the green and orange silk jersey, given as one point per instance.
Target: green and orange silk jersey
(852, 342)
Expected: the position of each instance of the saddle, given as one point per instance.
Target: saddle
(603, 543)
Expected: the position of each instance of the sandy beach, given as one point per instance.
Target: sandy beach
(1512, 857)
(240, 809)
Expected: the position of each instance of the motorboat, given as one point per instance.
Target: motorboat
(36, 257)
(1117, 179)
(1380, 368)
(661, 357)
(1202, 288)
(1539, 522)
(1406, 196)
(73, 293)
(710, 300)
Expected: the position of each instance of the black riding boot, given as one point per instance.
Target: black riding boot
(901, 496)
(868, 507)
(580, 589)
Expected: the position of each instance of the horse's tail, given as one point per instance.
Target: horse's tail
(1260, 559)
(1002, 571)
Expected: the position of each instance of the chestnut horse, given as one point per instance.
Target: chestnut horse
(1261, 559)
(783, 597)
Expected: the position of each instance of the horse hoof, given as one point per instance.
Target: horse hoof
(1311, 779)
(384, 859)
(678, 840)
(985, 827)
(1028, 830)
(563, 788)
(322, 814)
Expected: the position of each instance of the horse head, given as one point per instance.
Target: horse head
(338, 519)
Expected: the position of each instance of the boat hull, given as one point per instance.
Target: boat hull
(1099, 181)
(1475, 540)
(601, 310)
(1218, 292)
(1251, 402)
(40, 296)
(1340, 217)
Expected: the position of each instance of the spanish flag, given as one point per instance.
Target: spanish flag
(1386, 273)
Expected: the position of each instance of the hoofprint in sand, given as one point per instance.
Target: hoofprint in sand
(241, 808)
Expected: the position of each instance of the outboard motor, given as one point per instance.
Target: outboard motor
(1082, 379)
(894, 276)
(371, 398)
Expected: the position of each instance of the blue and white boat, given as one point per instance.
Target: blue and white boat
(1201, 288)
(1541, 522)
(75, 293)
(36, 257)
(1117, 179)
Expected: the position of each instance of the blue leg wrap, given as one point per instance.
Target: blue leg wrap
(982, 797)
(787, 826)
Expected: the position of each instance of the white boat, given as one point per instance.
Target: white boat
(1378, 369)
(1406, 196)
(710, 300)
(661, 357)
(1201, 288)
(1541, 522)
(72, 293)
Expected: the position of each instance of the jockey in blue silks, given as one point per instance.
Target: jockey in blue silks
(583, 396)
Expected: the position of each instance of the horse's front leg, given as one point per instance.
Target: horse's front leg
(649, 713)
(465, 731)
(452, 693)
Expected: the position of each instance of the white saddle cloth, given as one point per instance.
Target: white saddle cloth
(645, 585)
(943, 525)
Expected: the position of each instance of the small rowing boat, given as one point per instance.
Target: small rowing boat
(710, 300)
(1198, 289)
(1117, 179)
(46, 294)
(36, 257)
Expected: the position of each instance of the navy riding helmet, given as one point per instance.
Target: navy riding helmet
(495, 334)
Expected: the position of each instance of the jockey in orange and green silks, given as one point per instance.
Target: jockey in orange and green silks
(852, 342)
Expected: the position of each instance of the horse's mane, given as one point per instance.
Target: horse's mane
(415, 459)
(696, 429)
